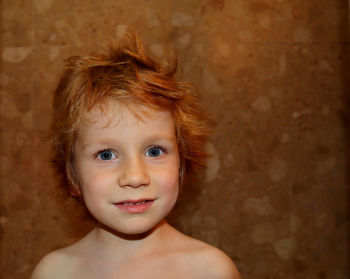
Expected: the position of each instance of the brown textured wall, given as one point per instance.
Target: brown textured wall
(274, 75)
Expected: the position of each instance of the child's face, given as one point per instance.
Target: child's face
(128, 168)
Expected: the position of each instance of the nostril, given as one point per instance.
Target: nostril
(133, 176)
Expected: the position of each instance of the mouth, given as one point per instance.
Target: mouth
(135, 202)
(135, 206)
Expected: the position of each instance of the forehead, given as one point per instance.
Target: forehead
(115, 116)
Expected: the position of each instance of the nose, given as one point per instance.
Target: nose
(133, 174)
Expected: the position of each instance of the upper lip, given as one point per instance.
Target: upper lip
(135, 201)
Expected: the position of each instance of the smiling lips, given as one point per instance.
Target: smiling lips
(135, 206)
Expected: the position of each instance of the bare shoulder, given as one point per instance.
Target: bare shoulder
(216, 264)
(53, 265)
(211, 262)
(62, 263)
(206, 261)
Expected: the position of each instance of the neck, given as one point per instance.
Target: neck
(110, 240)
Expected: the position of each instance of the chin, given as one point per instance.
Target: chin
(133, 229)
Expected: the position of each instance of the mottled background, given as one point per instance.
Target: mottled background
(274, 75)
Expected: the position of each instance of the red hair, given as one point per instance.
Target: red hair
(128, 76)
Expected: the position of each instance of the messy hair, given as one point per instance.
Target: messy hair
(126, 75)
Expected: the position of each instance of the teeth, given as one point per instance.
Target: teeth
(137, 203)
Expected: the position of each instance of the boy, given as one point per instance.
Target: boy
(128, 134)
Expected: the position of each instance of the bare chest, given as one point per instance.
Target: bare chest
(142, 268)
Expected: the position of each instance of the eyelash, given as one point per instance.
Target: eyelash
(104, 150)
(163, 149)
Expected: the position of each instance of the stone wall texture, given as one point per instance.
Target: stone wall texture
(273, 74)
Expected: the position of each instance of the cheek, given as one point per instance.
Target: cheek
(96, 183)
(96, 190)
(169, 182)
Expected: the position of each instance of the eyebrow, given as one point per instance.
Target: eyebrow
(99, 142)
(110, 141)
(162, 137)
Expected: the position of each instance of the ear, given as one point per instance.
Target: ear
(181, 175)
(74, 185)
(75, 190)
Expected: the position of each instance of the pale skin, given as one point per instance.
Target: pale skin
(131, 158)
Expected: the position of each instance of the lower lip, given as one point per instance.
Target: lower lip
(135, 208)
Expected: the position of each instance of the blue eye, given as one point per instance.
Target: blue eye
(154, 151)
(106, 155)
